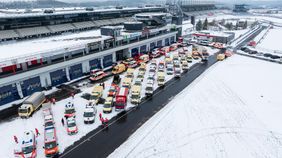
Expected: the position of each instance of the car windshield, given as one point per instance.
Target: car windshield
(22, 110)
(71, 124)
(93, 97)
(119, 104)
(88, 114)
(27, 150)
(50, 145)
(151, 70)
(70, 111)
(135, 96)
(169, 69)
(107, 105)
(149, 88)
(161, 80)
(49, 123)
(138, 83)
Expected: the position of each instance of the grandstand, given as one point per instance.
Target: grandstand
(19, 24)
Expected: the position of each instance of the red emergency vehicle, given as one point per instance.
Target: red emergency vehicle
(121, 99)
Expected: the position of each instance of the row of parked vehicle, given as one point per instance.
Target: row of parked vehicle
(252, 51)
(120, 92)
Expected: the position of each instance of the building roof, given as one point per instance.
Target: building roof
(13, 13)
(48, 46)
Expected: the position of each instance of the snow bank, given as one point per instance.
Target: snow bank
(233, 110)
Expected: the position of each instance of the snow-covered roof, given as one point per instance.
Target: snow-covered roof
(49, 46)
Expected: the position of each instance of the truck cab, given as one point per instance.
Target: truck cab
(220, 57)
(144, 58)
(108, 105)
(161, 67)
(69, 110)
(189, 58)
(89, 114)
(112, 91)
(96, 94)
(51, 148)
(31, 104)
(116, 79)
(140, 75)
(130, 73)
(142, 67)
(161, 78)
(126, 82)
(169, 69)
(27, 146)
(185, 65)
(130, 62)
(121, 99)
(136, 94)
(177, 71)
(149, 89)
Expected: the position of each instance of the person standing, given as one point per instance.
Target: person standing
(16, 139)
(63, 121)
(37, 132)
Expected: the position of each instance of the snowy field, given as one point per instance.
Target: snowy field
(17, 126)
(272, 40)
(233, 110)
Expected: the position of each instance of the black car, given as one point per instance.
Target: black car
(267, 55)
(275, 57)
(243, 48)
(253, 52)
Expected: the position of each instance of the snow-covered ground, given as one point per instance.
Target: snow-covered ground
(272, 40)
(17, 126)
(233, 110)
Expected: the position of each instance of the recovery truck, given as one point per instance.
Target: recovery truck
(136, 94)
(121, 99)
(31, 104)
(96, 94)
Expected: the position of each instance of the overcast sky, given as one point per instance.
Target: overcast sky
(137, 0)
